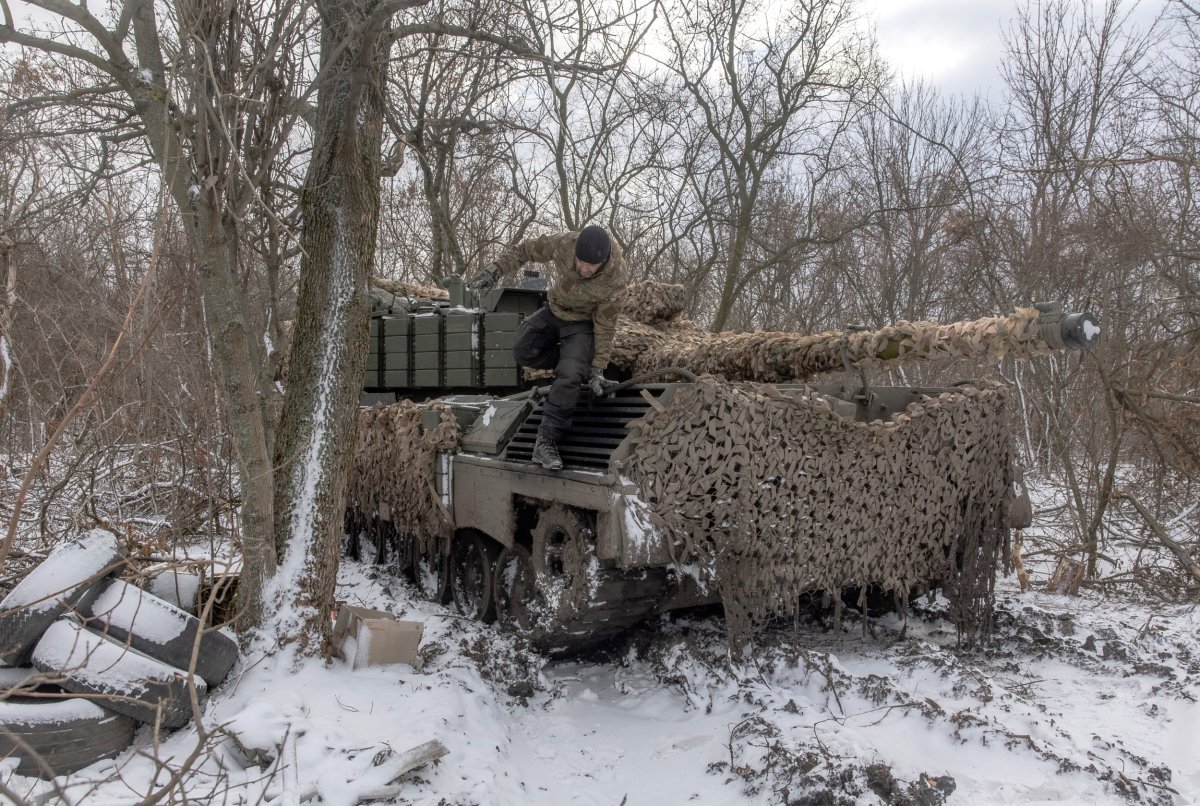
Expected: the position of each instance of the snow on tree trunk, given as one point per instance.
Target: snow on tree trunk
(8, 276)
(340, 206)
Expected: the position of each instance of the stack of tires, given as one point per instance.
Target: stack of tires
(110, 656)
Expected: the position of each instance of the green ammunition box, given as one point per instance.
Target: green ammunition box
(499, 359)
(427, 343)
(500, 377)
(426, 377)
(426, 324)
(395, 361)
(461, 322)
(371, 379)
(501, 322)
(395, 379)
(425, 361)
(460, 341)
(375, 329)
(462, 377)
(500, 340)
(396, 326)
(460, 359)
(395, 344)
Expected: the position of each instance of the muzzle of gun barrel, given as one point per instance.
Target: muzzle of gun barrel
(1072, 331)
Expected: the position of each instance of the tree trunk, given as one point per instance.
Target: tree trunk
(340, 206)
(8, 296)
(238, 358)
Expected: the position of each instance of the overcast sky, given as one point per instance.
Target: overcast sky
(956, 44)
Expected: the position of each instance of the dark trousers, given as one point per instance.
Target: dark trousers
(546, 342)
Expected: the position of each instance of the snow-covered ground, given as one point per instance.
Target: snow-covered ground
(1078, 700)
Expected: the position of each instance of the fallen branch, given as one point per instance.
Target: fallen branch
(406, 762)
(291, 793)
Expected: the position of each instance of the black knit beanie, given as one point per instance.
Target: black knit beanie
(593, 245)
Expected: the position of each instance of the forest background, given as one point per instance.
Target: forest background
(178, 181)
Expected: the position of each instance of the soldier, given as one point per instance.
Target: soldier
(573, 334)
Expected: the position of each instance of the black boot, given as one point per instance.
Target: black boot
(546, 454)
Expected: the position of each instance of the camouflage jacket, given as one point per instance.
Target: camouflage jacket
(571, 297)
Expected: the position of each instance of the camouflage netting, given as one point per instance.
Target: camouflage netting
(645, 342)
(774, 494)
(414, 290)
(393, 468)
(778, 496)
(651, 303)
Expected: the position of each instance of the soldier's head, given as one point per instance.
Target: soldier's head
(592, 250)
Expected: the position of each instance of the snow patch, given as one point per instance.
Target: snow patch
(640, 532)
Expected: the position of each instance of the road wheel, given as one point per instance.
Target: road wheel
(562, 559)
(67, 577)
(406, 554)
(130, 683)
(472, 568)
(430, 574)
(519, 606)
(383, 536)
(67, 735)
(160, 630)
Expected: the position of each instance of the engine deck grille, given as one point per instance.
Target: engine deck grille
(598, 427)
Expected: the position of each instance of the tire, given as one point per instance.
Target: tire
(68, 734)
(66, 578)
(26, 680)
(131, 683)
(160, 630)
(180, 588)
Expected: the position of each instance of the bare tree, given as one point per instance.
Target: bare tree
(776, 86)
(1073, 76)
(208, 97)
(447, 108)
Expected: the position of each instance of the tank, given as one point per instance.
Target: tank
(721, 470)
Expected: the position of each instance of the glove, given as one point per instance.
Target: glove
(600, 385)
(485, 279)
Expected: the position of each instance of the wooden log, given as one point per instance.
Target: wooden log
(1067, 577)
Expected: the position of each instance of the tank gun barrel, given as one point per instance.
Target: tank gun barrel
(780, 357)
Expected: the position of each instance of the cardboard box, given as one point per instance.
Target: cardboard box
(374, 638)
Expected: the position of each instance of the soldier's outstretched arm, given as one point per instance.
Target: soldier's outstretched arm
(531, 250)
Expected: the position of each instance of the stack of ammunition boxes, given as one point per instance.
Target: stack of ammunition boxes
(442, 348)
(388, 359)
(499, 333)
